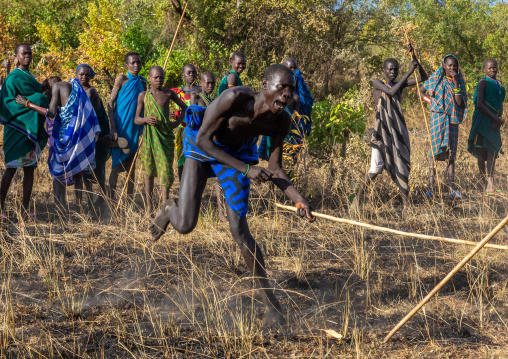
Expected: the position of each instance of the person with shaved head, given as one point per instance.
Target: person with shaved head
(24, 135)
(189, 76)
(485, 137)
(221, 141)
(158, 148)
(390, 139)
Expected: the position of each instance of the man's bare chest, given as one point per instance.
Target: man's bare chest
(240, 128)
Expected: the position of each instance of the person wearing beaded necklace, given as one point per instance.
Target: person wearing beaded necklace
(485, 138)
(390, 139)
(207, 84)
(189, 75)
(203, 99)
(24, 135)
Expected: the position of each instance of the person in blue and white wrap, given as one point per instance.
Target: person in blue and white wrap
(73, 137)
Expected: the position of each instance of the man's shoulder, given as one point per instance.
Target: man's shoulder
(121, 80)
(62, 85)
(239, 94)
(92, 91)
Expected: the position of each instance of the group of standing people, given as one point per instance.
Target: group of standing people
(445, 92)
(219, 137)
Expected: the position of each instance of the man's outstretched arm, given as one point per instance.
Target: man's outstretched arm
(280, 178)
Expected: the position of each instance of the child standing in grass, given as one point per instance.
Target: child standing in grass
(158, 148)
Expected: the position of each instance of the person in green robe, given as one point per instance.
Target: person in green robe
(158, 150)
(485, 138)
(24, 134)
(232, 78)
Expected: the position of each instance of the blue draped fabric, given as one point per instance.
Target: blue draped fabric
(306, 100)
(235, 185)
(74, 134)
(125, 112)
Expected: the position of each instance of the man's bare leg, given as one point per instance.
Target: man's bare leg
(78, 188)
(59, 194)
(4, 186)
(183, 217)
(165, 194)
(28, 184)
(113, 180)
(482, 158)
(491, 162)
(451, 175)
(88, 190)
(432, 175)
(131, 179)
(369, 177)
(254, 260)
(220, 202)
(149, 193)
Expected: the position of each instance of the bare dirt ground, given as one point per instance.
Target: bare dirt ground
(90, 285)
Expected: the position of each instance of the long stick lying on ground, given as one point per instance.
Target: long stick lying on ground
(141, 141)
(447, 278)
(394, 231)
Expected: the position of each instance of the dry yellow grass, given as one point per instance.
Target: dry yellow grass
(74, 286)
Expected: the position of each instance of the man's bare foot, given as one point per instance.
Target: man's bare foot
(490, 185)
(273, 319)
(354, 208)
(161, 220)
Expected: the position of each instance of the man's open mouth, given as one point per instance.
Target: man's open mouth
(280, 105)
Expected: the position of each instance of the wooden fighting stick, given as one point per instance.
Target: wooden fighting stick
(393, 231)
(447, 278)
(412, 55)
(141, 141)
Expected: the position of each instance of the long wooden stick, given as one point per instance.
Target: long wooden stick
(411, 54)
(447, 278)
(394, 231)
(141, 141)
(174, 37)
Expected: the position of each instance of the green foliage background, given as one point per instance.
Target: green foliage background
(338, 44)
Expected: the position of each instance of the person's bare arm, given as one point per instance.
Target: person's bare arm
(119, 81)
(422, 78)
(232, 80)
(48, 112)
(422, 93)
(173, 96)
(197, 100)
(215, 116)
(279, 177)
(459, 100)
(497, 121)
(96, 102)
(391, 91)
(138, 120)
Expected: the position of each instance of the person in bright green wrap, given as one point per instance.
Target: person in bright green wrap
(157, 152)
(24, 134)
(485, 138)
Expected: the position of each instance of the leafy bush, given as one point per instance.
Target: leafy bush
(333, 123)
